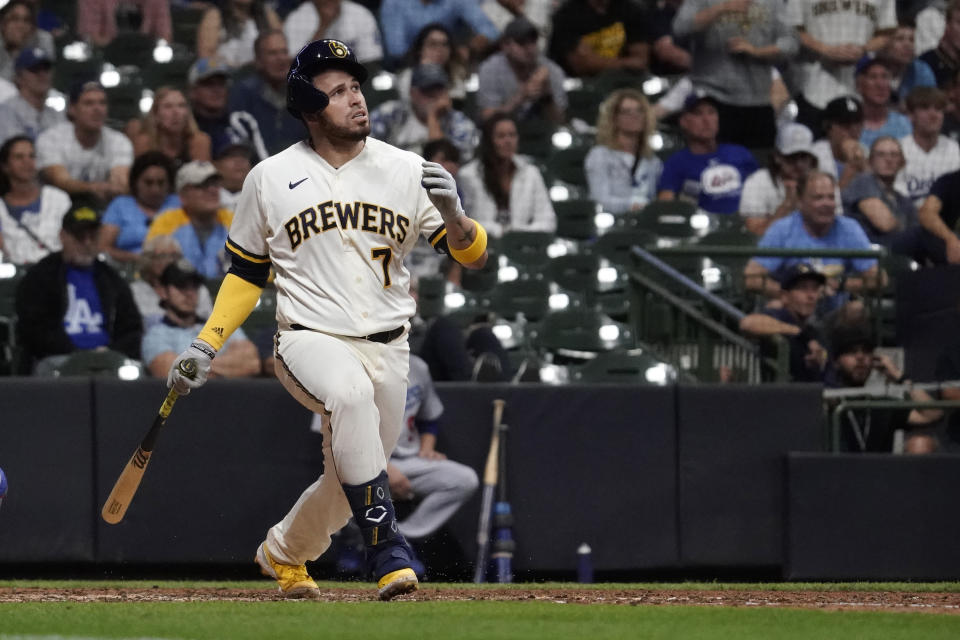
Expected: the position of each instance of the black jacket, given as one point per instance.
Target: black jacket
(42, 304)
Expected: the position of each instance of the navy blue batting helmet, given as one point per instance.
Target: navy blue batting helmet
(302, 96)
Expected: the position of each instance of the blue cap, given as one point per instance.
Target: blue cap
(867, 61)
(207, 68)
(697, 96)
(32, 58)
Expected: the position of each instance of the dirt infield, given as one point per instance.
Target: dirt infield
(826, 600)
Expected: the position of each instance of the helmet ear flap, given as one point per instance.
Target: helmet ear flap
(303, 97)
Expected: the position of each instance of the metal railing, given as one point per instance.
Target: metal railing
(691, 338)
(847, 406)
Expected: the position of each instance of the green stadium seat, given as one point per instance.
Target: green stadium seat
(485, 279)
(615, 245)
(100, 363)
(529, 297)
(536, 138)
(623, 367)
(264, 315)
(186, 21)
(567, 165)
(526, 248)
(576, 218)
(130, 48)
(430, 293)
(665, 218)
(575, 332)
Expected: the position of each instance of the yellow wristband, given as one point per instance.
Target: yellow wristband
(475, 250)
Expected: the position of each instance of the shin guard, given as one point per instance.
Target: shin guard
(372, 507)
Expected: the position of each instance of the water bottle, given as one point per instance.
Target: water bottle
(584, 563)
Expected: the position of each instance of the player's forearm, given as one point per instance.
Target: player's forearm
(467, 242)
(236, 299)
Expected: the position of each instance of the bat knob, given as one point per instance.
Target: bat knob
(188, 368)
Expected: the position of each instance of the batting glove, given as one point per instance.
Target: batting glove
(191, 368)
(442, 191)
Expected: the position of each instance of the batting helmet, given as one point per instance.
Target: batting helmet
(302, 96)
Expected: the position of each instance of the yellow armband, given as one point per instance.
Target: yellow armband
(474, 251)
(235, 301)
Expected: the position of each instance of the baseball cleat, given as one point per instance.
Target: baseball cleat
(293, 579)
(397, 583)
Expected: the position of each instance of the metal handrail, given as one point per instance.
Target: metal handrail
(851, 405)
(707, 250)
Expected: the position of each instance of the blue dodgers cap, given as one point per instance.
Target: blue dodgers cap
(697, 96)
(867, 61)
(31, 58)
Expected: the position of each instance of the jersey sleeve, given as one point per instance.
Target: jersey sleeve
(431, 224)
(247, 240)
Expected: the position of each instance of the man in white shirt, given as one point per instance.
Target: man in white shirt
(342, 20)
(84, 157)
(836, 35)
(927, 152)
(840, 153)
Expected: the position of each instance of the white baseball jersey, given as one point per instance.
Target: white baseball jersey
(922, 167)
(836, 22)
(337, 236)
(423, 403)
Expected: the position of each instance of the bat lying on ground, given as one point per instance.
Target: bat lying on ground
(486, 501)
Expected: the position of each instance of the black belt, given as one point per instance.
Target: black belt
(382, 337)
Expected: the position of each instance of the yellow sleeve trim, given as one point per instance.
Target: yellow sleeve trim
(235, 300)
(475, 250)
(437, 237)
(232, 247)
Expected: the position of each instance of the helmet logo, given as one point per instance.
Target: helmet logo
(338, 49)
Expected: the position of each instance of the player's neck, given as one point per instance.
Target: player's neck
(337, 152)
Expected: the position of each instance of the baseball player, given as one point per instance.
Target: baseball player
(334, 215)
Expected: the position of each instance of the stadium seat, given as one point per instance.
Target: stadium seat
(485, 279)
(615, 245)
(130, 48)
(526, 248)
(578, 333)
(576, 219)
(102, 363)
(430, 293)
(567, 165)
(665, 218)
(536, 138)
(186, 21)
(584, 103)
(623, 367)
(264, 315)
(529, 297)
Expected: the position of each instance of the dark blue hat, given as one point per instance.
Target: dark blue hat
(32, 58)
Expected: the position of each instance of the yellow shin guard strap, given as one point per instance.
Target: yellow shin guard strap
(475, 250)
(235, 301)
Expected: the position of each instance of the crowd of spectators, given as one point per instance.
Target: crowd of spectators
(806, 123)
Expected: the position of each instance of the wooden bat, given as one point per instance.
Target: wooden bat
(126, 486)
(486, 501)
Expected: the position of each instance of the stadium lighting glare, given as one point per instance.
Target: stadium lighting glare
(163, 52)
(7, 270)
(128, 372)
(383, 81)
(603, 220)
(146, 102)
(572, 84)
(472, 84)
(711, 276)
(78, 51)
(508, 273)
(699, 221)
(56, 101)
(559, 193)
(454, 300)
(607, 275)
(558, 301)
(556, 249)
(656, 142)
(653, 86)
(504, 332)
(561, 139)
(609, 332)
(553, 374)
(657, 374)
(109, 77)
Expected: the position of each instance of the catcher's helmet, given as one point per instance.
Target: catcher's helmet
(302, 96)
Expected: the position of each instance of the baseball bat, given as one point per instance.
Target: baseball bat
(503, 543)
(486, 500)
(126, 485)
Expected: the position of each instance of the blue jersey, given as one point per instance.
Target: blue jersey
(714, 180)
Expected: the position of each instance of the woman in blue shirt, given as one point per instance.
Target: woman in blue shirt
(127, 218)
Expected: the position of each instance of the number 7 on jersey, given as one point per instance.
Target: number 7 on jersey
(385, 254)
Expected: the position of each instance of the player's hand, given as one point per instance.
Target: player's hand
(442, 191)
(399, 484)
(191, 368)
